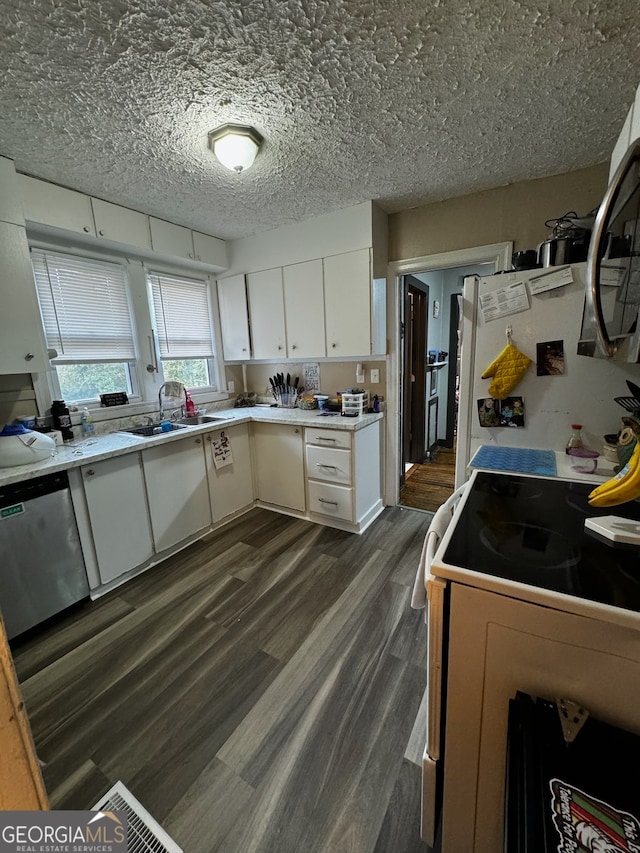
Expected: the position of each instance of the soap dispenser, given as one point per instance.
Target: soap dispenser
(191, 406)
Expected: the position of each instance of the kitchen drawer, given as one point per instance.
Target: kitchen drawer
(327, 463)
(328, 437)
(327, 499)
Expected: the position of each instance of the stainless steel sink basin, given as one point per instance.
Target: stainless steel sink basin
(197, 420)
(153, 429)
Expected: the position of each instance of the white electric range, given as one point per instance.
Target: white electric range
(520, 598)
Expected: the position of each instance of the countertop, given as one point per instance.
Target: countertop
(93, 449)
(604, 469)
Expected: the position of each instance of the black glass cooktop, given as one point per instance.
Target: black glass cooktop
(532, 531)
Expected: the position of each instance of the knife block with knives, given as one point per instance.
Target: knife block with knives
(285, 390)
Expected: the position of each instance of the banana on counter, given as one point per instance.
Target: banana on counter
(625, 486)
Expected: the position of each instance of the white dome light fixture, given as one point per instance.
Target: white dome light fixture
(235, 145)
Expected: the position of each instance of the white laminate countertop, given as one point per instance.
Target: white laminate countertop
(84, 450)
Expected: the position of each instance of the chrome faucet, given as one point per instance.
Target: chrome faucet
(174, 414)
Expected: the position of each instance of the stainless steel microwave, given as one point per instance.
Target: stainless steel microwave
(612, 300)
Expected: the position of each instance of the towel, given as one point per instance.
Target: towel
(174, 389)
(436, 531)
(507, 370)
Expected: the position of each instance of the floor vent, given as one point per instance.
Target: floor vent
(145, 835)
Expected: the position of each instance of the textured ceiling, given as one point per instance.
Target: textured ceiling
(402, 101)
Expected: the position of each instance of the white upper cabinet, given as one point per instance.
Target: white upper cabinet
(210, 250)
(634, 129)
(347, 295)
(304, 309)
(170, 239)
(266, 312)
(234, 320)
(121, 224)
(22, 344)
(49, 204)
(10, 200)
(622, 143)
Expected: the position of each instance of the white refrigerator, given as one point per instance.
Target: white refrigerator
(542, 310)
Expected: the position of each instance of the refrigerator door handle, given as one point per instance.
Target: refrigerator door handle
(605, 345)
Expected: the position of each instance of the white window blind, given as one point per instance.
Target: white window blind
(183, 320)
(85, 308)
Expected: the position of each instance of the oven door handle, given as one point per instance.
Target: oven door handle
(435, 595)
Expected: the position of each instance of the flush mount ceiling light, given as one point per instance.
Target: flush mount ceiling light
(235, 145)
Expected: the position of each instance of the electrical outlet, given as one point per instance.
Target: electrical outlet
(231, 386)
(375, 376)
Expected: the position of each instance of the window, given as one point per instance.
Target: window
(184, 329)
(87, 320)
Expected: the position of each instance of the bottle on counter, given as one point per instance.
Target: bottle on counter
(62, 419)
(190, 406)
(575, 439)
(87, 422)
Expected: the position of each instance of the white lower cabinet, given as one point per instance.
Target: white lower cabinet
(344, 475)
(230, 486)
(279, 465)
(177, 490)
(22, 343)
(114, 491)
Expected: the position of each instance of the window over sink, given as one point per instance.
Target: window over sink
(117, 326)
(87, 320)
(184, 329)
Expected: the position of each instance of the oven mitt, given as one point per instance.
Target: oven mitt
(507, 370)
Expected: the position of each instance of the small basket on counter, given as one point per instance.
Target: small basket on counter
(307, 401)
(355, 404)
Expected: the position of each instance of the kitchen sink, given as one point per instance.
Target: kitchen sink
(153, 429)
(196, 420)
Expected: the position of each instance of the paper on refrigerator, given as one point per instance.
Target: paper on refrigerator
(504, 301)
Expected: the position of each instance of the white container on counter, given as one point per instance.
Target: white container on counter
(20, 446)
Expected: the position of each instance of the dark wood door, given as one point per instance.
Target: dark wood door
(414, 404)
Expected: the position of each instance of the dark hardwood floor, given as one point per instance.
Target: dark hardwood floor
(258, 693)
(428, 486)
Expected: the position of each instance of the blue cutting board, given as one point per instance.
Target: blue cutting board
(521, 460)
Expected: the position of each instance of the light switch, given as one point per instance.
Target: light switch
(375, 376)
(231, 386)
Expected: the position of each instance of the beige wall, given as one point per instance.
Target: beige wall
(515, 212)
(334, 375)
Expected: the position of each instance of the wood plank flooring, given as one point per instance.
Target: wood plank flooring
(258, 693)
(427, 486)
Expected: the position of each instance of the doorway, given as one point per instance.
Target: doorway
(440, 278)
(414, 373)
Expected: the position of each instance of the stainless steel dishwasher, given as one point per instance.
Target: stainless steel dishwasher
(42, 569)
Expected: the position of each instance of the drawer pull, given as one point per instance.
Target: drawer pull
(324, 438)
(325, 501)
(322, 465)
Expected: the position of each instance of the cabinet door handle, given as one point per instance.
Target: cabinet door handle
(29, 356)
(280, 346)
(322, 465)
(198, 441)
(86, 229)
(333, 346)
(101, 233)
(90, 473)
(324, 438)
(294, 346)
(209, 438)
(296, 430)
(325, 501)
